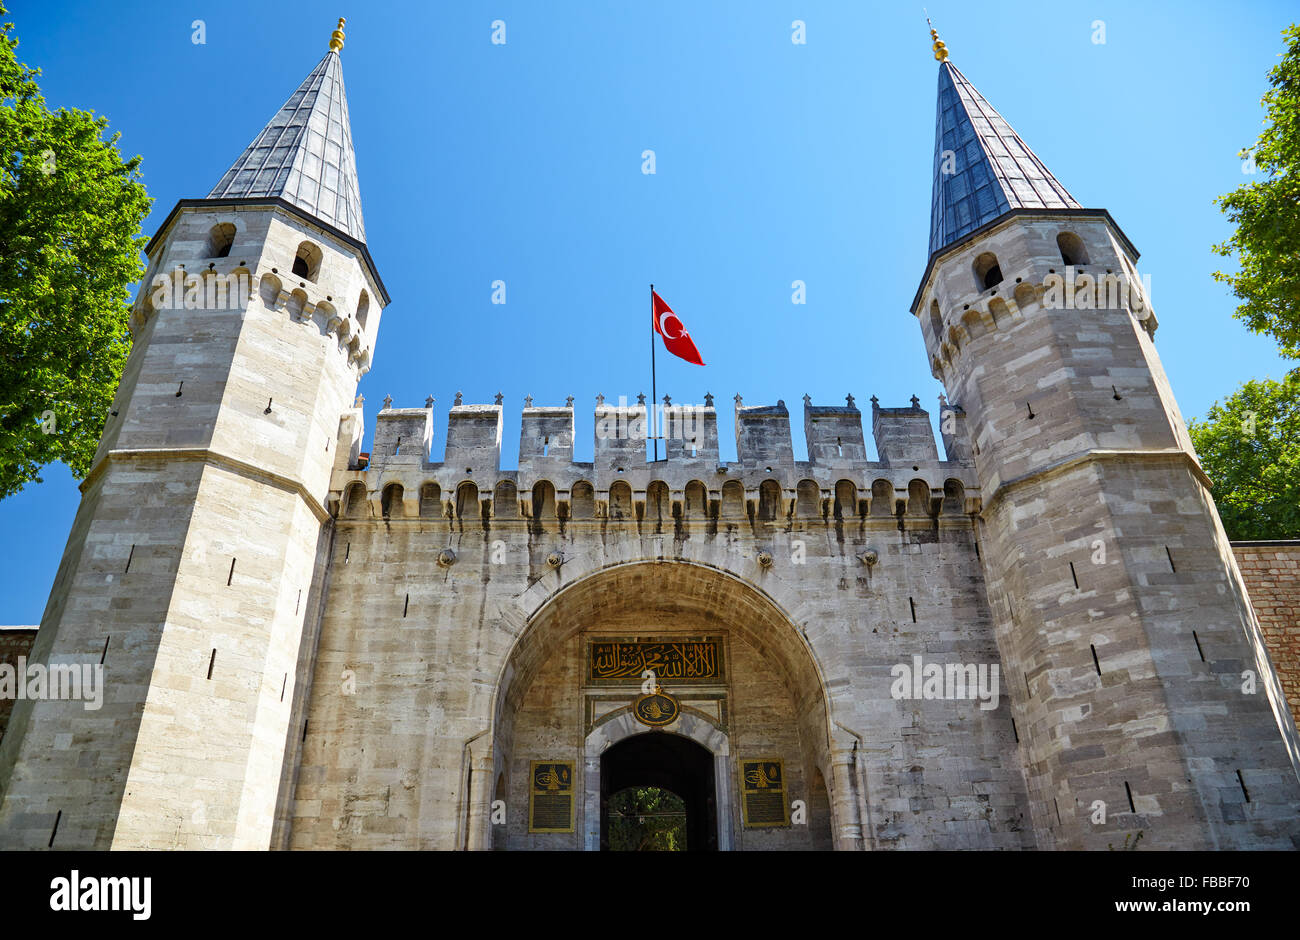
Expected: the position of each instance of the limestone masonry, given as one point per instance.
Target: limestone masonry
(1040, 639)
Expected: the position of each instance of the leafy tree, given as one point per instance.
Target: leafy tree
(1267, 214)
(1250, 448)
(647, 819)
(70, 214)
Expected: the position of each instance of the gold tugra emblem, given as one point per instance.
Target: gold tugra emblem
(656, 709)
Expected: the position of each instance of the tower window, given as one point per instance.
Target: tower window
(220, 240)
(936, 321)
(363, 309)
(987, 271)
(306, 262)
(1072, 250)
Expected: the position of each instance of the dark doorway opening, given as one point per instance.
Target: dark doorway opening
(662, 761)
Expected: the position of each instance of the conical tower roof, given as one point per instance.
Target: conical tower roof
(304, 154)
(982, 169)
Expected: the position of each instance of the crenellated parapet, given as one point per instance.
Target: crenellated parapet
(909, 485)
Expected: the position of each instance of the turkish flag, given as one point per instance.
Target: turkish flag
(676, 340)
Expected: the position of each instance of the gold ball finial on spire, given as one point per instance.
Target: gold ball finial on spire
(940, 47)
(337, 37)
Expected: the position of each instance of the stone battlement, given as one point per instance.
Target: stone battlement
(838, 480)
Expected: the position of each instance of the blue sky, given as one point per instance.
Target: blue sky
(775, 162)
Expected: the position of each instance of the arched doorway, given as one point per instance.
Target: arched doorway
(666, 762)
(556, 710)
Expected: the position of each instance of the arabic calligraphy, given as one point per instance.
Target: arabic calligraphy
(691, 660)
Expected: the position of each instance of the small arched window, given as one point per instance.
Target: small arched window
(697, 500)
(657, 504)
(220, 240)
(583, 500)
(306, 263)
(620, 500)
(808, 499)
(391, 504)
(846, 499)
(733, 500)
(954, 498)
(987, 271)
(505, 502)
(363, 309)
(431, 500)
(543, 500)
(1072, 250)
(467, 504)
(936, 321)
(882, 498)
(918, 498)
(354, 501)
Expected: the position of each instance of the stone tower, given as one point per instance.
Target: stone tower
(1140, 685)
(194, 565)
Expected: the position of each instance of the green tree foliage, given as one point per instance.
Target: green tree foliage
(70, 214)
(647, 819)
(1266, 213)
(1250, 448)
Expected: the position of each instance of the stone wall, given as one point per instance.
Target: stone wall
(459, 594)
(1272, 574)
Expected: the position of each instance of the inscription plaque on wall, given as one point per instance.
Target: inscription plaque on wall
(617, 661)
(550, 802)
(762, 793)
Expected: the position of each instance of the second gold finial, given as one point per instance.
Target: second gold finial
(337, 37)
(940, 47)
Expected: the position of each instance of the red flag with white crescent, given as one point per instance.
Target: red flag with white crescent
(676, 340)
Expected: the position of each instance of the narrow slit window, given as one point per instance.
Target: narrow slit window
(1129, 791)
(1095, 662)
(212, 661)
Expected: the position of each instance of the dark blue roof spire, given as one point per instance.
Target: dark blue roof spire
(982, 169)
(305, 154)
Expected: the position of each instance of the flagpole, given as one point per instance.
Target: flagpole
(653, 391)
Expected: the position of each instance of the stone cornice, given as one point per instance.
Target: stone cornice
(1094, 455)
(216, 459)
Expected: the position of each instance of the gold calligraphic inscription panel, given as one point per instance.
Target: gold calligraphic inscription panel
(762, 793)
(696, 661)
(550, 800)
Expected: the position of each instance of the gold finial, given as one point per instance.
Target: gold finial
(940, 47)
(336, 37)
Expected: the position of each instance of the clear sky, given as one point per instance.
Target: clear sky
(775, 162)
